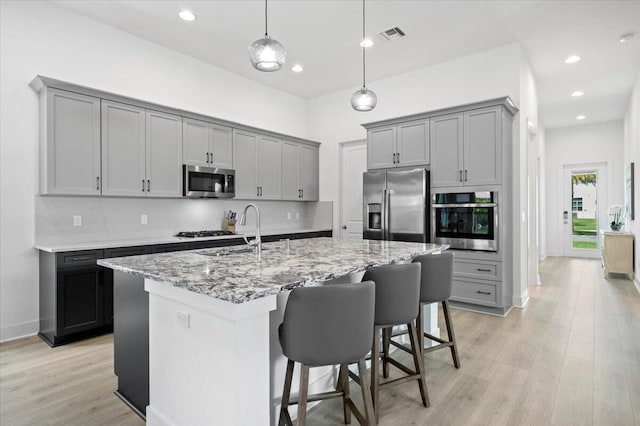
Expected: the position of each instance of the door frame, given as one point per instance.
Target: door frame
(603, 203)
(342, 146)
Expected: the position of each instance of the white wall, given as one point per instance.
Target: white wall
(632, 154)
(542, 208)
(575, 145)
(42, 38)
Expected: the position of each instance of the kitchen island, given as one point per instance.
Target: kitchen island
(214, 356)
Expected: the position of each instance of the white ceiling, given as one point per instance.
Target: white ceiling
(323, 36)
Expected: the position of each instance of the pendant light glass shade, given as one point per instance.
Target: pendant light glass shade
(364, 99)
(267, 54)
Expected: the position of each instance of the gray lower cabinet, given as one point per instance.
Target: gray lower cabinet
(478, 281)
(70, 143)
(206, 144)
(141, 151)
(257, 162)
(466, 148)
(299, 171)
(404, 144)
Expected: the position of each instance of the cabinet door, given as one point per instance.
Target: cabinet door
(446, 150)
(221, 147)
(290, 171)
(381, 147)
(123, 149)
(80, 297)
(195, 142)
(308, 159)
(73, 144)
(483, 147)
(413, 144)
(164, 155)
(270, 161)
(245, 161)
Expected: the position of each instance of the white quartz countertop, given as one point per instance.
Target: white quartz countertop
(55, 247)
(242, 276)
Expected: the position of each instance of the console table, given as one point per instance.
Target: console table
(617, 253)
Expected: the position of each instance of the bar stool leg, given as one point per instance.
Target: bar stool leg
(418, 362)
(452, 336)
(375, 374)
(302, 398)
(285, 419)
(344, 387)
(420, 326)
(386, 339)
(366, 394)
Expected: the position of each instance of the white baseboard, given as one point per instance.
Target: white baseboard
(522, 300)
(636, 283)
(18, 331)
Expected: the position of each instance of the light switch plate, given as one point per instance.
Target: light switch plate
(143, 219)
(183, 319)
(289, 215)
(77, 220)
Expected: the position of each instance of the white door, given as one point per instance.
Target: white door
(353, 165)
(584, 208)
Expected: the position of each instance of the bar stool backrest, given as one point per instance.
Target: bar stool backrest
(436, 275)
(328, 325)
(397, 292)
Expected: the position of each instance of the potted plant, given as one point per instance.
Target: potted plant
(617, 213)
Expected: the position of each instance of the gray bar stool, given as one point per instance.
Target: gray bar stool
(328, 325)
(437, 272)
(397, 297)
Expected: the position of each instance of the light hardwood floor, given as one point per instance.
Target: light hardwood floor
(571, 356)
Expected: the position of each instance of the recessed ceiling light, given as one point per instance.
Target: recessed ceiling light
(581, 117)
(367, 42)
(572, 59)
(577, 94)
(625, 37)
(187, 15)
(297, 68)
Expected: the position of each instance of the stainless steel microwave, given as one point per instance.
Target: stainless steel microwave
(208, 182)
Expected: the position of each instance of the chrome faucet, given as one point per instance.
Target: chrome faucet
(257, 242)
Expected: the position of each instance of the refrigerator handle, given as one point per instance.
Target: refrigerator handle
(387, 213)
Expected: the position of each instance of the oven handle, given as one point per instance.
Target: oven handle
(466, 205)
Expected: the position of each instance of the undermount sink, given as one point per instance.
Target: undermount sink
(227, 252)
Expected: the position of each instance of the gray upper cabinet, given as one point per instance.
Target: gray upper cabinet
(163, 154)
(299, 171)
(257, 162)
(466, 148)
(70, 159)
(123, 149)
(207, 144)
(401, 145)
(483, 146)
(446, 150)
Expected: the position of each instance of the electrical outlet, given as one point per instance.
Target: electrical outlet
(288, 215)
(77, 220)
(143, 219)
(183, 319)
(297, 215)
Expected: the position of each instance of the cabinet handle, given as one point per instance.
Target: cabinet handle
(483, 292)
(460, 175)
(398, 157)
(211, 157)
(302, 193)
(483, 270)
(465, 175)
(261, 191)
(79, 258)
(207, 157)
(257, 191)
(142, 185)
(98, 183)
(148, 185)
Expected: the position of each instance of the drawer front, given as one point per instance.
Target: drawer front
(478, 269)
(79, 258)
(165, 248)
(126, 251)
(473, 292)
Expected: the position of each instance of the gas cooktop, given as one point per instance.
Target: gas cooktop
(194, 234)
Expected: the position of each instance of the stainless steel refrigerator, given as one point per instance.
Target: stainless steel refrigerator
(396, 205)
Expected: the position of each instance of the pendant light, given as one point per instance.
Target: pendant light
(267, 54)
(363, 99)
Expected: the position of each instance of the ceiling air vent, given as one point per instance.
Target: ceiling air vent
(392, 34)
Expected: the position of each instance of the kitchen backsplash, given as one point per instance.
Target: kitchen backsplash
(105, 218)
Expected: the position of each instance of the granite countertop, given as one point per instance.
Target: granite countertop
(242, 276)
(56, 246)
